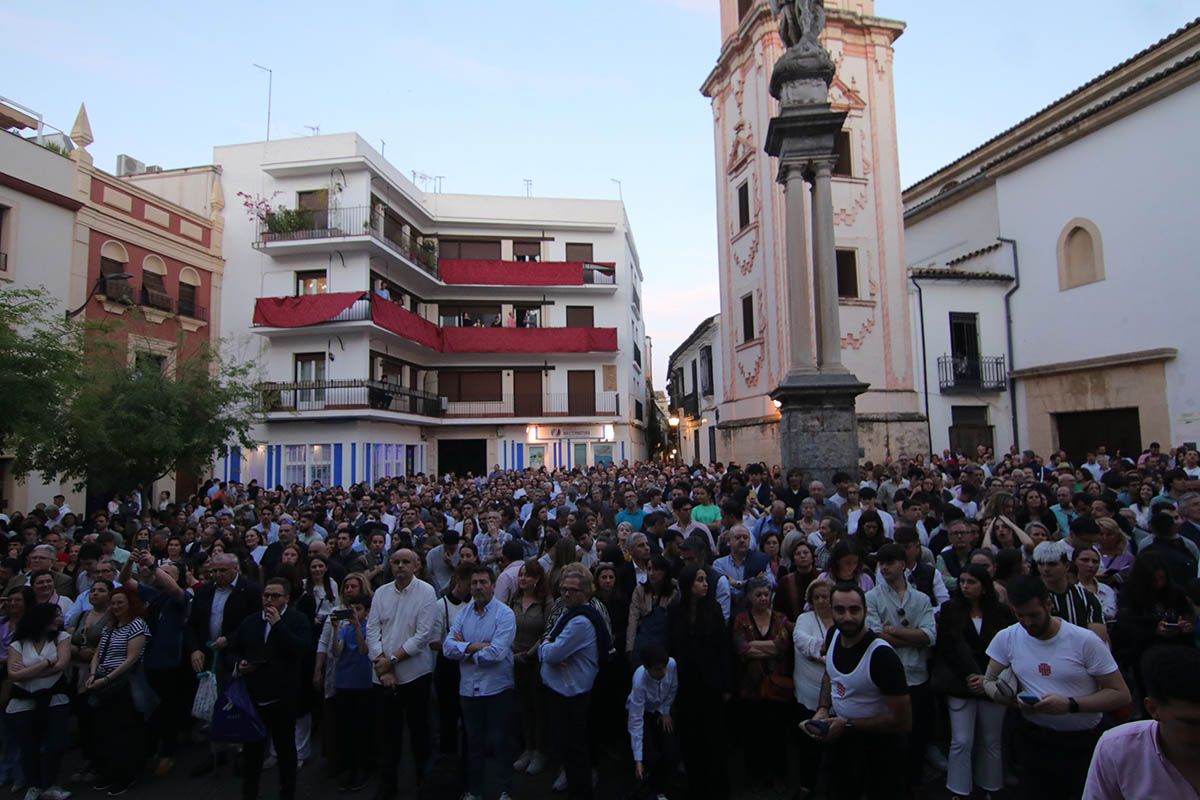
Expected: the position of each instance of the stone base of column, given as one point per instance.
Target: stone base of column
(818, 431)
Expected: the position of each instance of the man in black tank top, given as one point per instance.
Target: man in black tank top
(866, 706)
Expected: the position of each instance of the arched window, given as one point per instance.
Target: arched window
(154, 286)
(114, 260)
(189, 286)
(1080, 254)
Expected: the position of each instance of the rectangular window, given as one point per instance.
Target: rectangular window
(580, 252)
(527, 251)
(187, 300)
(473, 249)
(147, 363)
(295, 457)
(841, 148)
(309, 368)
(580, 317)
(312, 282)
(528, 316)
(115, 288)
(305, 463)
(744, 7)
(470, 387)
(315, 205)
(706, 370)
(964, 336)
(743, 203)
(847, 274)
(388, 461)
(639, 410)
(747, 318)
(154, 291)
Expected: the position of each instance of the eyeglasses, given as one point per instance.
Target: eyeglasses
(273, 595)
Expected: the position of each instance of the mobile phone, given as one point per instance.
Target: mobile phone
(1171, 625)
(1028, 698)
(142, 544)
(817, 728)
(343, 613)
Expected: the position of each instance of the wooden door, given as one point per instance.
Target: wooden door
(581, 392)
(580, 317)
(527, 393)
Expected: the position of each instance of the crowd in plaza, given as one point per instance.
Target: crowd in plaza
(1025, 626)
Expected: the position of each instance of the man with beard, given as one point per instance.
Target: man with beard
(864, 703)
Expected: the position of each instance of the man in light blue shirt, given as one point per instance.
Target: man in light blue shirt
(570, 663)
(651, 730)
(481, 638)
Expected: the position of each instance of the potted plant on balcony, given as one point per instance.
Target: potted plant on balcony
(427, 253)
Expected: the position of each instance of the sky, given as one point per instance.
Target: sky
(570, 94)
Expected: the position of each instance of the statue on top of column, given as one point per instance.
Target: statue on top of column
(800, 23)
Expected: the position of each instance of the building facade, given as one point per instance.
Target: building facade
(399, 331)
(695, 393)
(874, 314)
(1054, 263)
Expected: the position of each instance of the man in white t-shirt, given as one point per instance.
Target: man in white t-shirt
(1067, 679)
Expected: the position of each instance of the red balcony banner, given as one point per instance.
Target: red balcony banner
(296, 312)
(529, 340)
(403, 322)
(510, 273)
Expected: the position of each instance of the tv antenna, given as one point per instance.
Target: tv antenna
(528, 187)
(315, 129)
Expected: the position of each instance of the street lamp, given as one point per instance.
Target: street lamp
(673, 421)
(119, 276)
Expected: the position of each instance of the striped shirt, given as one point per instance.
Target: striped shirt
(1077, 606)
(114, 644)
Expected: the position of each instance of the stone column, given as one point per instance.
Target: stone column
(829, 335)
(799, 301)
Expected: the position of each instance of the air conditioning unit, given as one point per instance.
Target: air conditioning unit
(443, 404)
(153, 169)
(128, 165)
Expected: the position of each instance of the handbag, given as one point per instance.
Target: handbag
(234, 717)
(206, 695)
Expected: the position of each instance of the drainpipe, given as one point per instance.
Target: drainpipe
(1008, 330)
(924, 360)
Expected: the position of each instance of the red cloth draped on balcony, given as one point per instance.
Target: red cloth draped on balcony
(296, 312)
(529, 340)
(403, 322)
(511, 273)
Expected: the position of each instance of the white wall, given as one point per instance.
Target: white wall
(1136, 180)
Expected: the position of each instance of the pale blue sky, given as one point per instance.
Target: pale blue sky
(569, 93)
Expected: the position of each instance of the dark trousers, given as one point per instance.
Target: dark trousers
(570, 737)
(353, 708)
(809, 752)
(921, 697)
(280, 719)
(446, 678)
(859, 762)
(531, 700)
(699, 717)
(489, 723)
(766, 757)
(42, 734)
(408, 704)
(120, 737)
(1054, 764)
(660, 754)
(175, 688)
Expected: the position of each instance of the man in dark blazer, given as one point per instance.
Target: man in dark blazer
(269, 648)
(273, 555)
(740, 566)
(218, 609)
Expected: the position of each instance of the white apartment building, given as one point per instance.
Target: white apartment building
(400, 331)
(695, 393)
(1054, 268)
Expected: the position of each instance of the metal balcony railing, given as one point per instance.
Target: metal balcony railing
(960, 374)
(293, 225)
(334, 395)
(191, 310)
(690, 403)
(160, 301)
(118, 290)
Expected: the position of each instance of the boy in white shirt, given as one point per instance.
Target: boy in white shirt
(651, 731)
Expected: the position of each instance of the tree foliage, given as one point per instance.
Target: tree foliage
(120, 425)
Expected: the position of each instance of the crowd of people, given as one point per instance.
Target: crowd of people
(1020, 625)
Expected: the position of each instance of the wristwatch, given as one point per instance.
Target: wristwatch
(1072, 705)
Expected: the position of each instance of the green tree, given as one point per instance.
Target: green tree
(40, 362)
(115, 425)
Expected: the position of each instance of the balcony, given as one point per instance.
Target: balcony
(316, 309)
(343, 395)
(963, 375)
(495, 272)
(192, 311)
(690, 403)
(159, 301)
(367, 395)
(307, 225)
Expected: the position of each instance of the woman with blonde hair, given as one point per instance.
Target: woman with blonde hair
(1116, 561)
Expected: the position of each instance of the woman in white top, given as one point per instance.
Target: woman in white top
(37, 658)
(1087, 564)
(808, 638)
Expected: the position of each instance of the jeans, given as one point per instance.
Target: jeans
(43, 738)
(568, 717)
(531, 699)
(976, 727)
(1055, 763)
(175, 688)
(354, 710)
(119, 737)
(408, 704)
(280, 719)
(489, 730)
(699, 717)
(10, 754)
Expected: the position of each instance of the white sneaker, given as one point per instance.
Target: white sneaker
(55, 793)
(522, 762)
(33, 793)
(537, 763)
(505, 796)
(560, 783)
(469, 796)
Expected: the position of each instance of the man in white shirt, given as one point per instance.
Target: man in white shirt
(648, 710)
(867, 499)
(399, 629)
(1067, 680)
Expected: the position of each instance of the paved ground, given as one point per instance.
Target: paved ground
(615, 784)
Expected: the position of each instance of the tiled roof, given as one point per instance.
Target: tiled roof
(973, 254)
(960, 275)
